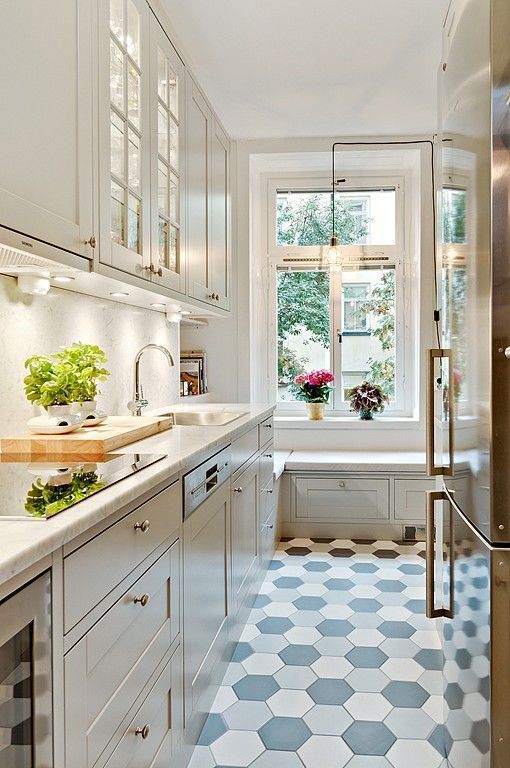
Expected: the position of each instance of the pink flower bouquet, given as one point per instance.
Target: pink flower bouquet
(313, 387)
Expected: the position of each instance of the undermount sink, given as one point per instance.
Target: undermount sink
(204, 418)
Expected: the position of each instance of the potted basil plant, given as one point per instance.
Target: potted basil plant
(50, 384)
(87, 361)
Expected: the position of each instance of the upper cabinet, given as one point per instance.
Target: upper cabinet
(124, 135)
(47, 122)
(208, 202)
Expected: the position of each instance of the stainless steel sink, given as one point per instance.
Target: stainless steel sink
(204, 418)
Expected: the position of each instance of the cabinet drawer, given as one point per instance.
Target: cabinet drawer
(410, 498)
(157, 719)
(97, 567)
(341, 499)
(244, 448)
(266, 466)
(266, 431)
(268, 529)
(111, 664)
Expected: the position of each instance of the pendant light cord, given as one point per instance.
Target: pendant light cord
(430, 143)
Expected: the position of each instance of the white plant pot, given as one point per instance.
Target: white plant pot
(56, 420)
(91, 415)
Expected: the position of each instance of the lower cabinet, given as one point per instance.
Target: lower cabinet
(206, 582)
(244, 532)
(342, 499)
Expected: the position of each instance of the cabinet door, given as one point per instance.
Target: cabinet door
(168, 153)
(205, 587)
(219, 253)
(47, 117)
(199, 120)
(124, 135)
(244, 533)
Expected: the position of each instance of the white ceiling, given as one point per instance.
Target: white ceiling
(289, 68)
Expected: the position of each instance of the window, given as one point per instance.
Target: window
(351, 321)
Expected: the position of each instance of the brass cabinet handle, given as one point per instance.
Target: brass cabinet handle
(143, 527)
(143, 732)
(430, 556)
(151, 267)
(432, 470)
(341, 484)
(142, 599)
(268, 455)
(268, 426)
(91, 241)
(217, 297)
(238, 490)
(269, 490)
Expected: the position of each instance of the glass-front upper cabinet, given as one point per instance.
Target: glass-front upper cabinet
(124, 135)
(167, 105)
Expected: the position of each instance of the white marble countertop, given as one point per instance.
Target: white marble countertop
(24, 542)
(364, 461)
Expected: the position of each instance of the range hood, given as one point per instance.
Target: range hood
(22, 255)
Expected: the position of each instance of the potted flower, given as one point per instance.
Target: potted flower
(314, 388)
(87, 362)
(367, 399)
(50, 384)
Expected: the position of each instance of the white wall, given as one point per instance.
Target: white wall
(40, 324)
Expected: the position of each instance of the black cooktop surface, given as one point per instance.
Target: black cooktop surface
(39, 490)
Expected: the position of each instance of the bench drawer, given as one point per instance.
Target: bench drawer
(410, 498)
(340, 499)
(94, 569)
(111, 664)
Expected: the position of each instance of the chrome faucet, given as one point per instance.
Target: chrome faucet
(138, 402)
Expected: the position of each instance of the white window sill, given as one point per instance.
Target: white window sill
(289, 421)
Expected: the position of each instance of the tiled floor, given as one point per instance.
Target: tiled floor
(338, 665)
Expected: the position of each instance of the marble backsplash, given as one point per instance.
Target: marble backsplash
(40, 324)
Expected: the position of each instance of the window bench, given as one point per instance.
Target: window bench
(344, 494)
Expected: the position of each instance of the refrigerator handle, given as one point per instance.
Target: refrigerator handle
(432, 470)
(430, 605)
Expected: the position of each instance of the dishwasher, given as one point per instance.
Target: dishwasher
(206, 543)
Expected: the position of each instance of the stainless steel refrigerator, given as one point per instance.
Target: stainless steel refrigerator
(468, 414)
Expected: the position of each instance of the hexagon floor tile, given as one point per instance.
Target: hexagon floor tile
(338, 667)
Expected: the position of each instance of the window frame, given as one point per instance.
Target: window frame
(358, 256)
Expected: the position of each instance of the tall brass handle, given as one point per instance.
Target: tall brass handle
(432, 470)
(430, 556)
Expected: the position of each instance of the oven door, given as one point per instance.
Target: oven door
(25, 677)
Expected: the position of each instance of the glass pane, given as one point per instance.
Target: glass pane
(174, 144)
(174, 197)
(172, 256)
(117, 19)
(117, 213)
(162, 77)
(173, 96)
(133, 228)
(134, 162)
(117, 145)
(162, 132)
(368, 336)
(163, 240)
(116, 76)
(454, 215)
(133, 32)
(456, 305)
(363, 217)
(303, 326)
(16, 681)
(163, 188)
(134, 96)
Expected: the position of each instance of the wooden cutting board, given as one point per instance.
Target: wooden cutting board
(115, 432)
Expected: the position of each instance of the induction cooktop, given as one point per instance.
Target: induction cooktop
(38, 490)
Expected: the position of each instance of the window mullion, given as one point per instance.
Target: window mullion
(336, 328)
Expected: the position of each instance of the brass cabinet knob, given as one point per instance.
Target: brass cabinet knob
(143, 732)
(217, 297)
(269, 490)
(91, 241)
(142, 599)
(238, 490)
(158, 271)
(268, 455)
(143, 527)
(341, 484)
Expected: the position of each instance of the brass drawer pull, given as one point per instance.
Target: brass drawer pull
(341, 484)
(238, 490)
(143, 527)
(268, 455)
(91, 241)
(269, 490)
(142, 599)
(143, 732)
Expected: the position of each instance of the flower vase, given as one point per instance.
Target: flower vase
(366, 414)
(315, 411)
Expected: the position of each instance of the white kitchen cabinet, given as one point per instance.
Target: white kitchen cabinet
(342, 499)
(206, 587)
(46, 168)
(124, 135)
(244, 517)
(208, 203)
(168, 162)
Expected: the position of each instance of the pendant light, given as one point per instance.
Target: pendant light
(332, 253)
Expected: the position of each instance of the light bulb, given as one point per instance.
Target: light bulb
(332, 254)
